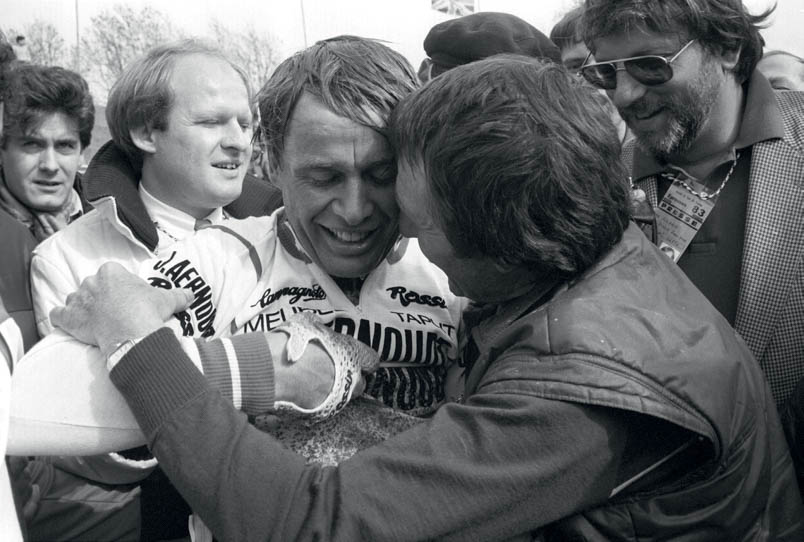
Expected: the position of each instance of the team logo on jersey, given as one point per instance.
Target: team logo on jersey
(182, 274)
(296, 293)
(406, 297)
(393, 343)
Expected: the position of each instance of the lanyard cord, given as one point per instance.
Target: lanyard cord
(703, 195)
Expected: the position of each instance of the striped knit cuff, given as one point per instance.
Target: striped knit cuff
(156, 378)
(241, 368)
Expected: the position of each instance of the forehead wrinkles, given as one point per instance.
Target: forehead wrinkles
(334, 141)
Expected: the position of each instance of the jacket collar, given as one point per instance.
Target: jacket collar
(484, 323)
(111, 175)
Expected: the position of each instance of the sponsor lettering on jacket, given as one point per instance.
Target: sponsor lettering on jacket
(406, 297)
(182, 274)
(296, 293)
(419, 346)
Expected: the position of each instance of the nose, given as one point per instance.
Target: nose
(235, 137)
(47, 160)
(354, 203)
(628, 90)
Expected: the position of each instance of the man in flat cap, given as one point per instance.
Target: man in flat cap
(480, 35)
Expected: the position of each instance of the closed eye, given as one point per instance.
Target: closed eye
(323, 177)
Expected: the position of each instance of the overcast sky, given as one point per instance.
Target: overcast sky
(403, 23)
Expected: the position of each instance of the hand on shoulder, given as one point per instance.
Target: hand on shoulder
(115, 305)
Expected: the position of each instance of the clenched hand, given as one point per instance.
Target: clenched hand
(115, 305)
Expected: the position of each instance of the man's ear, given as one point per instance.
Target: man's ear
(143, 138)
(730, 58)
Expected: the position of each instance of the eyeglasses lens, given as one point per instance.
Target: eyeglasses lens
(601, 76)
(648, 71)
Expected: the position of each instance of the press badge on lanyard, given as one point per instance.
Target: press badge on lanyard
(683, 210)
(679, 217)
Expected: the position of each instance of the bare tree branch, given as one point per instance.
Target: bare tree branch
(254, 51)
(45, 44)
(118, 35)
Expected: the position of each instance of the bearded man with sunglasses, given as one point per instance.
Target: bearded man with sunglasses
(719, 154)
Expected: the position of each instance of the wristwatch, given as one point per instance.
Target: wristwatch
(118, 351)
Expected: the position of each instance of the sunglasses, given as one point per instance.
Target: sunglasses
(649, 70)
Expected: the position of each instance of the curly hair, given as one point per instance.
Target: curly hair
(718, 25)
(357, 78)
(143, 95)
(523, 164)
(35, 91)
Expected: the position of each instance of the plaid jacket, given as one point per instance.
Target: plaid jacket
(770, 310)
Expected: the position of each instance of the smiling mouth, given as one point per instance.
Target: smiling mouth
(348, 236)
(228, 165)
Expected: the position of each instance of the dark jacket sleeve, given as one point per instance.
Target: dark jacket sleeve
(16, 245)
(497, 466)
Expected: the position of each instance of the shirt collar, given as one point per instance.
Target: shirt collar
(170, 221)
(761, 121)
(74, 207)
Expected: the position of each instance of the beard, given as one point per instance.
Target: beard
(686, 109)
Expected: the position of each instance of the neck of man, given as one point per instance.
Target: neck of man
(350, 286)
(160, 189)
(715, 143)
(515, 282)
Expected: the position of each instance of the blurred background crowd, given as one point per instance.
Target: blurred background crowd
(98, 38)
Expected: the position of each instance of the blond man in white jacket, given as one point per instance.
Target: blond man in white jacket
(181, 123)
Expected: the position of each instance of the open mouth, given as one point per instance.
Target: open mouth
(227, 165)
(348, 236)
